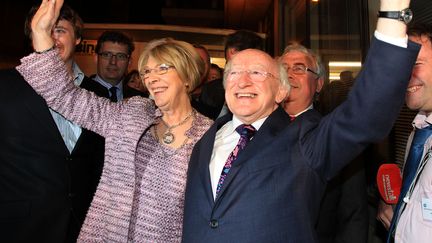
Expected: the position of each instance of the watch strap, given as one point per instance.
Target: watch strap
(404, 15)
(389, 14)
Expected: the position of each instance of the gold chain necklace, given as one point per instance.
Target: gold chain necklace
(168, 137)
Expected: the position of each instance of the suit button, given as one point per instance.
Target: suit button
(71, 195)
(214, 223)
(68, 158)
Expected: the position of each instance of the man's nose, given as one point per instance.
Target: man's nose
(113, 59)
(290, 75)
(245, 80)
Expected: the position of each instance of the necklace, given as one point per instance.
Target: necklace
(168, 137)
(166, 154)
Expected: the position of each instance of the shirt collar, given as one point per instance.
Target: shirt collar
(107, 85)
(78, 75)
(303, 111)
(422, 120)
(236, 122)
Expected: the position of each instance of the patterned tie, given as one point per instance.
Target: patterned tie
(113, 91)
(410, 169)
(246, 133)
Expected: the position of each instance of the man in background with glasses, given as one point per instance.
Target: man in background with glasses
(114, 50)
(306, 76)
(343, 214)
(256, 177)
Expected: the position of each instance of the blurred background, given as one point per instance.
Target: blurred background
(339, 30)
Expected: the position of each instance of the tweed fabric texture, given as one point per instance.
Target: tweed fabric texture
(150, 176)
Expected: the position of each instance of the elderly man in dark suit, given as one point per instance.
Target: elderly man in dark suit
(49, 167)
(268, 189)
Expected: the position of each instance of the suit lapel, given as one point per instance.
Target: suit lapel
(95, 87)
(206, 150)
(272, 126)
(205, 155)
(99, 90)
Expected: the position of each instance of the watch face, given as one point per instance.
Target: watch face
(406, 15)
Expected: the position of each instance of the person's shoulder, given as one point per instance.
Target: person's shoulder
(10, 73)
(130, 92)
(97, 88)
(312, 115)
(88, 81)
(204, 120)
(307, 120)
(200, 125)
(138, 102)
(10, 77)
(213, 84)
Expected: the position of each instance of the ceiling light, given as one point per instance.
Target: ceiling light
(344, 64)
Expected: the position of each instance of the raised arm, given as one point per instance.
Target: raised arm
(43, 23)
(49, 76)
(390, 27)
(373, 104)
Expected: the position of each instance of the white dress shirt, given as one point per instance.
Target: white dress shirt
(69, 131)
(415, 223)
(107, 85)
(225, 142)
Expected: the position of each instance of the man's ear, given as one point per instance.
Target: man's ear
(281, 94)
(320, 83)
(230, 53)
(77, 41)
(95, 58)
(129, 62)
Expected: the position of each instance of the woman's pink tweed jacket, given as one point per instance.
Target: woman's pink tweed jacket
(122, 124)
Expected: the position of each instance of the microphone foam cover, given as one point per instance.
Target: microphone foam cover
(389, 181)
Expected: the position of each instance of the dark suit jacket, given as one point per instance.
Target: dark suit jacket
(343, 214)
(273, 191)
(131, 92)
(211, 99)
(45, 191)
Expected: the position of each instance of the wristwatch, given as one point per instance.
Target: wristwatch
(404, 15)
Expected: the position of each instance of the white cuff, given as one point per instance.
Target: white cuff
(402, 42)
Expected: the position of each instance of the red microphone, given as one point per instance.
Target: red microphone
(389, 181)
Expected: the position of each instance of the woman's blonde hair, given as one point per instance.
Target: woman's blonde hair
(179, 54)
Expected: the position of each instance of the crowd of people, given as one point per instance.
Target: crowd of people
(179, 150)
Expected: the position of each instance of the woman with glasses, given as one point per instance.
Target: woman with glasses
(140, 196)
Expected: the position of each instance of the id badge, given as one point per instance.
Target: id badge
(427, 209)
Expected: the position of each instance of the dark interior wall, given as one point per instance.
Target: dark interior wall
(422, 11)
(13, 44)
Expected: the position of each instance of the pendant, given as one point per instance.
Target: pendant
(168, 137)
